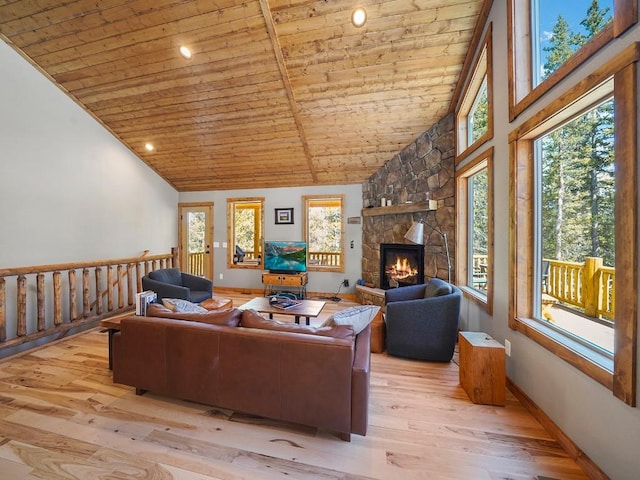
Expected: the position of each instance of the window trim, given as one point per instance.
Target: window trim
(305, 233)
(481, 162)
(231, 202)
(520, 82)
(482, 67)
(619, 376)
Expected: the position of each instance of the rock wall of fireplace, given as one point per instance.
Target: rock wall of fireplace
(425, 167)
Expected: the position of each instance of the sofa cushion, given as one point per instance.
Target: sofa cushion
(180, 305)
(167, 275)
(358, 317)
(252, 319)
(229, 317)
(436, 288)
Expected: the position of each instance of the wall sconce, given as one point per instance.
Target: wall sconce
(416, 235)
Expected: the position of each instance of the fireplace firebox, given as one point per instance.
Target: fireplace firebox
(401, 264)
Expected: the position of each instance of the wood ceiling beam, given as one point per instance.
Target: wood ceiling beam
(295, 110)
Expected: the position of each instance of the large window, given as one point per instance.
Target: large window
(324, 232)
(245, 227)
(574, 217)
(561, 29)
(474, 268)
(548, 39)
(474, 118)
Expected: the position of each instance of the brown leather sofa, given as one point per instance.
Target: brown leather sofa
(318, 380)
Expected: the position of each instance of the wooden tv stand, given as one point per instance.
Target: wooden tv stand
(274, 282)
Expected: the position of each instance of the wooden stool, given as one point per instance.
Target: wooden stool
(377, 333)
(482, 368)
(217, 303)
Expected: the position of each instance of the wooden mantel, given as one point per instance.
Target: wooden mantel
(396, 209)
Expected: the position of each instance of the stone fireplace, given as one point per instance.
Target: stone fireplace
(422, 171)
(400, 265)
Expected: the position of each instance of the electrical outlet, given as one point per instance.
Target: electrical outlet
(345, 283)
(507, 347)
(220, 276)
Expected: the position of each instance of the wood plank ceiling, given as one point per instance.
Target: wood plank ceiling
(277, 92)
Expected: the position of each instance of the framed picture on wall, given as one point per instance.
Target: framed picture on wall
(284, 216)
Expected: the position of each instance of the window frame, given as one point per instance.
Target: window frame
(231, 206)
(306, 200)
(483, 161)
(617, 374)
(522, 94)
(482, 68)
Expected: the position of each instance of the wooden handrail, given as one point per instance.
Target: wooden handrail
(31, 326)
(590, 285)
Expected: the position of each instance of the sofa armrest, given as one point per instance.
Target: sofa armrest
(410, 292)
(360, 378)
(194, 282)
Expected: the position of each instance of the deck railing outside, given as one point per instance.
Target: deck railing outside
(195, 263)
(39, 301)
(589, 286)
(195, 260)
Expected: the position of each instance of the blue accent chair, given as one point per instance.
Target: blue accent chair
(172, 283)
(422, 320)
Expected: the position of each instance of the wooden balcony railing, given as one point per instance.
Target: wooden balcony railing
(589, 286)
(49, 299)
(195, 263)
(331, 259)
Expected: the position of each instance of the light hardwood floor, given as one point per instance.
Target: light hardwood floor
(62, 417)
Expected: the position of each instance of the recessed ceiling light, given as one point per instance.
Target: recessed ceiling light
(185, 52)
(359, 17)
(149, 147)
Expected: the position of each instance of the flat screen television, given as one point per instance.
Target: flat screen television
(285, 257)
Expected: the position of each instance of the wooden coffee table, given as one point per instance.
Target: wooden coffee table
(306, 308)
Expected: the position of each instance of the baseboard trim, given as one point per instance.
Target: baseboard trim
(588, 466)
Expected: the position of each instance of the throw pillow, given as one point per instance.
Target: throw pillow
(252, 319)
(358, 317)
(229, 317)
(180, 305)
(437, 287)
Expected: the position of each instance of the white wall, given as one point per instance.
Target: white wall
(69, 190)
(606, 429)
(291, 197)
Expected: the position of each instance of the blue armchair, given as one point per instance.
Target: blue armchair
(172, 283)
(422, 320)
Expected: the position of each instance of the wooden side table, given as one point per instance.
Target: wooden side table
(378, 333)
(482, 368)
(274, 282)
(217, 303)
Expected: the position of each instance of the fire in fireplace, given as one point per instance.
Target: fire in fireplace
(401, 264)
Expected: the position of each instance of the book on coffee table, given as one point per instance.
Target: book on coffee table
(283, 303)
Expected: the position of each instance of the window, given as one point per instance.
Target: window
(561, 29)
(474, 183)
(549, 39)
(245, 220)
(474, 119)
(324, 232)
(574, 201)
